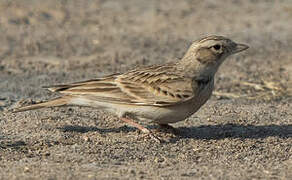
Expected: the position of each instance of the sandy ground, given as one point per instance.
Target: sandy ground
(243, 132)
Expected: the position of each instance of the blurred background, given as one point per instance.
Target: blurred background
(244, 131)
(60, 40)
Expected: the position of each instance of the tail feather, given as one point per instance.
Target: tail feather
(61, 101)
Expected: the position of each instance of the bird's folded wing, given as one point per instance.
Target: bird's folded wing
(156, 86)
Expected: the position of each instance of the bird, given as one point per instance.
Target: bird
(161, 94)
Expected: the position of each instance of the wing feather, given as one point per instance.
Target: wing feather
(154, 85)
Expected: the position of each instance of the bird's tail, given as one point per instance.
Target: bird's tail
(60, 101)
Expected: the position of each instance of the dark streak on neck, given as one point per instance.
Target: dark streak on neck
(202, 81)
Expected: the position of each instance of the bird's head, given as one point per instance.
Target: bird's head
(206, 55)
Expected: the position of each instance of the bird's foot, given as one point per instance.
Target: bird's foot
(147, 132)
(154, 137)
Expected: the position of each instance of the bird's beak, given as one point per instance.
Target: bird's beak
(240, 47)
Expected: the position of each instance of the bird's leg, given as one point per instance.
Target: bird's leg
(132, 123)
(141, 128)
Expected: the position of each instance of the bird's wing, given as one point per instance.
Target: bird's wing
(154, 85)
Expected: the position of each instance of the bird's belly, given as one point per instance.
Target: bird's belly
(159, 115)
(170, 114)
(186, 109)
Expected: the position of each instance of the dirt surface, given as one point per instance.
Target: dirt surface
(243, 132)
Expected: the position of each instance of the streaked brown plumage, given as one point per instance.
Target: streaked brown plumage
(159, 93)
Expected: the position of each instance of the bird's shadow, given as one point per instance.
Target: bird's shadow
(213, 132)
(207, 132)
(85, 129)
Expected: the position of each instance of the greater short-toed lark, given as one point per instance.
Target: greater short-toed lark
(159, 93)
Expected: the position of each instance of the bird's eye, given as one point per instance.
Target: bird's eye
(217, 47)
